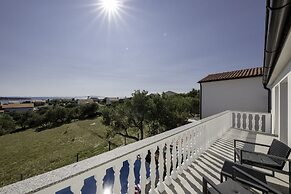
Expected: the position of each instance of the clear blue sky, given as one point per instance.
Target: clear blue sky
(67, 48)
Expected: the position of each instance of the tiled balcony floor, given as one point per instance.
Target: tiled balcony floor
(210, 164)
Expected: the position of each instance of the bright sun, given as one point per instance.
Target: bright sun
(110, 6)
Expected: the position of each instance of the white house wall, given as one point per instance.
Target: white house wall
(247, 94)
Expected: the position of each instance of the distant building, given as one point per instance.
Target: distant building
(39, 102)
(1, 111)
(85, 101)
(110, 100)
(18, 107)
(95, 99)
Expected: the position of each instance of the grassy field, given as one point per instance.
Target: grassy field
(31, 153)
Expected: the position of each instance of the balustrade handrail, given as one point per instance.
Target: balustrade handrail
(250, 112)
(48, 179)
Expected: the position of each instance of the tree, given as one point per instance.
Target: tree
(7, 124)
(131, 114)
(88, 110)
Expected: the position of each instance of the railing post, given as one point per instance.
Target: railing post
(253, 122)
(99, 180)
(180, 170)
(153, 171)
(161, 186)
(142, 173)
(185, 166)
(174, 174)
(191, 150)
(247, 121)
(77, 186)
(260, 122)
(241, 120)
(268, 123)
(168, 164)
(117, 185)
(131, 177)
(236, 118)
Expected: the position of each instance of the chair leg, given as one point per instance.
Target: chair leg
(204, 186)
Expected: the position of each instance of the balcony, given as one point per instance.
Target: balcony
(189, 152)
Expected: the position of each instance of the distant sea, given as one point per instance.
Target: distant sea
(4, 99)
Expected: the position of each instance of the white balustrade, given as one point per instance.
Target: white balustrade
(177, 149)
(253, 121)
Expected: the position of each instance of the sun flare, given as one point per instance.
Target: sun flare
(110, 6)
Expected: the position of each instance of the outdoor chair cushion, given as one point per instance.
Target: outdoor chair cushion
(259, 160)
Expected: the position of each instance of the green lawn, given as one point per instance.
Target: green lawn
(31, 153)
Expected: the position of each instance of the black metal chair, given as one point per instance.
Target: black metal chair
(274, 160)
(231, 186)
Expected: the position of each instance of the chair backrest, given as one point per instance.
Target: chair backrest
(279, 149)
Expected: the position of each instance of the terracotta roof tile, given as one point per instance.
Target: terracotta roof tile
(244, 73)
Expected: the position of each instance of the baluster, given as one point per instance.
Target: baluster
(174, 172)
(185, 166)
(241, 121)
(142, 172)
(248, 121)
(236, 120)
(99, 180)
(77, 186)
(253, 122)
(203, 139)
(131, 178)
(161, 186)
(117, 183)
(260, 123)
(180, 170)
(198, 142)
(195, 139)
(153, 171)
(191, 156)
(168, 179)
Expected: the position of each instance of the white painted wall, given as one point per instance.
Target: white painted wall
(280, 83)
(247, 94)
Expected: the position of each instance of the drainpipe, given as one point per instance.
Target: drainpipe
(269, 98)
(277, 26)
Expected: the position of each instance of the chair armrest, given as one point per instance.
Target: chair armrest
(211, 183)
(268, 155)
(264, 185)
(247, 142)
